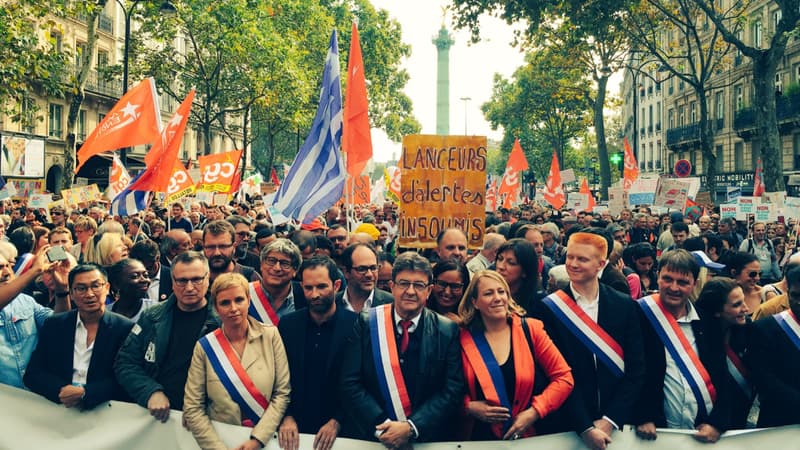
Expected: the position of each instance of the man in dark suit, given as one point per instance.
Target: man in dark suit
(423, 350)
(148, 253)
(73, 362)
(361, 272)
(604, 394)
(315, 339)
(774, 360)
(668, 400)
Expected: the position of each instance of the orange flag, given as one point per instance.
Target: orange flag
(356, 137)
(585, 190)
(510, 184)
(553, 193)
(162, 157)
(218, 171)
(517, 158)
(631, 171)
(134, 120)
(491, 196)
(180, 184)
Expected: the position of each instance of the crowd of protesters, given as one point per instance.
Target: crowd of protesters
(559, 322)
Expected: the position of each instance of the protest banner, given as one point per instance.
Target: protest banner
(180, 184)
(443, 185)
(26, 188)
(617, 200)
(568, 176)
(747, 205)
(728, 210)
(357, 190)
(577, 201)
(643, 191)
(40, 200)
(672, 193)
(766, 213)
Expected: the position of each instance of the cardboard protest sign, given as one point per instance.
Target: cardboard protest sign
(568, 176)
(672, 193)
(617, 200)
(643, 191)
(577, 201)
(443, 185)
(40, 200)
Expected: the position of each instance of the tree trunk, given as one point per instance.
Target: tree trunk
(764, 68)
(600, 134)
(707, 143)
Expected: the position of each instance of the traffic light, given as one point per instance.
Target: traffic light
(616, 158)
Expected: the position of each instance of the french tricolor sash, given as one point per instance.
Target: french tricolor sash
(789, 324)
(234, 378)
(480, 365)
(738, 371)
(588, 332)
(689, 365)
(387, 363)
(260, 308)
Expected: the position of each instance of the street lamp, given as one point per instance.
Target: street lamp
(466, 100)
(166, 9)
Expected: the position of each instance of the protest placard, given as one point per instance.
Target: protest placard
(40, 200)
(577, 201)
(672, 193)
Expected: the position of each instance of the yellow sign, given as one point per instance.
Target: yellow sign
(443, 185)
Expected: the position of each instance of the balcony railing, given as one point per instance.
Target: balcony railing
(684, 134)
(786, 108)
(98, 85)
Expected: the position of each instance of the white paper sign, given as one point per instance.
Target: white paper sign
(40, 200)
(672, 194)
(728, 211)
(578, 201)
(567, 176)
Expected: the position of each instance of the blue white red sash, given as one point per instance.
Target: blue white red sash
(234, 378)
(789, 324)
(588, 332)
(738, 371)
(260, 307)
(387, 363)
(689, 365)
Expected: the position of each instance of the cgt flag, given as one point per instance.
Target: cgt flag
(510, 184)
(356, 137)
(630, 171)
(316, 178)
(134, 120)
(553, 193)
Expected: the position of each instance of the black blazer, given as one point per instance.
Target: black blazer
(164, 284)
(711, 352)
(774, 364)
(598, 392)
(439, 383)
(293, 332)
(50, 367)
(380, 297)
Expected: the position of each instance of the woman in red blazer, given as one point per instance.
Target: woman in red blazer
(514, 373)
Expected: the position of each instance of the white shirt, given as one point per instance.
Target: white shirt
(367, 302)
(680, 404)
(591, 306)
(81, 354)
(155, 285)
(411, 329)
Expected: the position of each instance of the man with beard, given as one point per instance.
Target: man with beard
(218, 246)
(361, 272)
(314, 338)
(339, 237)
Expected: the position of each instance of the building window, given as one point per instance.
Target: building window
(671, 118)
(102, 58)
(27, 114)
(719, 105)
(56, 128)
(738, 93)
(720, 164)
(100, 117)
(776, 19)
(756, 33)
(778, 84)
(80, 49)
(681, 116)
(650, 118)
(57, 40)
(738, 156)
(693, 109)
(81, 126)
(796, 151)
(658, 116)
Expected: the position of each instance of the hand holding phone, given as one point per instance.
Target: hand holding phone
(55, 254)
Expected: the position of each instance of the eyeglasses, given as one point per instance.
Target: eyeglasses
(270, 261)
(83, 289)
(405, 284)
(364, 269)
(753, 274)
(183, 282)
(454, 287)
(213, 248)
(56, 213)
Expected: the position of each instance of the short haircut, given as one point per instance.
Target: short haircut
(680, 261)
(265, 232)
(227, 281)
(323, 243)
(115, 270)
(729, 221)
(285, 247)
(219, 227)
(23, 239)
(595, 240)
(188, 258)
(320, 261)
(385, 257)
(694, 243)
(523, 230)
(168, 244)
(601, 231)
(59, 230)
(236, 220)
(84, 268)
(347, 254)
(713, 241)
(414, 262)
(146, 251)
(441, 234)
(304, 239)
(679, 227)
(178, 205)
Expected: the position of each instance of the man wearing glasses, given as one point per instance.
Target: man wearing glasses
(361, 272)
(405, 349)
(218, 245)
(70, 365)
(277, 294)
(241, 243)
(154, 360)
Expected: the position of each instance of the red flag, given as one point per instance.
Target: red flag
(356, 137)
(219, 172)
(134, 120)
(517, 159)
(156, 177)
(631, 170)
(758, 184)
(553, 193)
(274, 178)
(585, 190)
(491, 196)
(510, 184)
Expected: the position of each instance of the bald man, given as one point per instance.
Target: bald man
(452, 243)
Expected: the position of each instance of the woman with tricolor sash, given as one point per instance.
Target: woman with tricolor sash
(722, 303)
(515, 374)
(239, 373)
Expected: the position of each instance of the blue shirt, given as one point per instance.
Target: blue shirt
(20, 321)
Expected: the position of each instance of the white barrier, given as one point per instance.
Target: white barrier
(28, 421)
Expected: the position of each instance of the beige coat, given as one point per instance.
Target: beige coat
(206, 399)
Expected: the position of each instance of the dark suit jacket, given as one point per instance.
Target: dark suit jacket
(439, 382)
(380, 297)
(50, 368)
(293, 332)
(164, 284)
(710, 350)
(774, 364)
(598, 392)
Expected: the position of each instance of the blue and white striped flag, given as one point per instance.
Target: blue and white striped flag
(130, 202)
(316, 178)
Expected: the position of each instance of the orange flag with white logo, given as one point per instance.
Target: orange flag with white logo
(553, 192)
(118, 179)
(180, 184)
(356, 137)
(134, 120)
(631, 170)
(585, 190)
(218, 171)
(510, 185)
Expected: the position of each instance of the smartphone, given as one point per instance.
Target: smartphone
(56, 254)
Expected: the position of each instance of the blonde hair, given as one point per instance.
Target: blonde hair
(229, 281)
(100, 248)
(466, 308)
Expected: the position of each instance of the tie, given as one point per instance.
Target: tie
(404, 324)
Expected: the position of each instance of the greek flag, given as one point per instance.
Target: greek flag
(130, 202)
(316, 178)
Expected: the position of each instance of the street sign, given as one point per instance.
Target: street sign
(683, 168)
